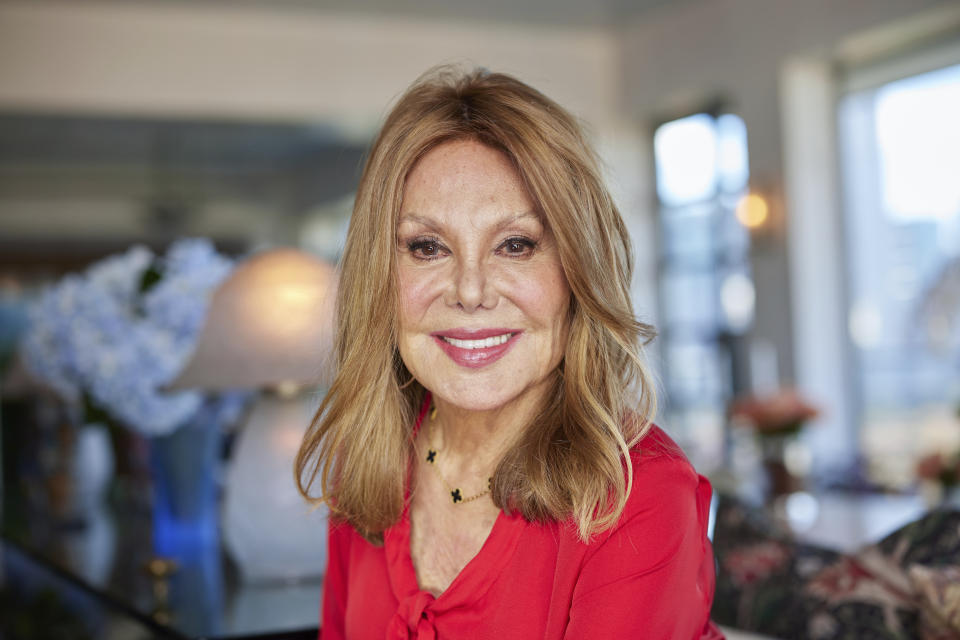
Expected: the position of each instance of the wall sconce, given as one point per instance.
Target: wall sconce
(753, 210)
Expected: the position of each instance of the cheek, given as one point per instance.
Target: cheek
(417, 290)
(546, 297)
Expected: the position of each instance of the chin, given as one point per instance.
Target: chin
(468, 395)
(473, 402)
(490, 391)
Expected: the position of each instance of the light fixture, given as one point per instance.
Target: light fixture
(269, 327)
(752, 210)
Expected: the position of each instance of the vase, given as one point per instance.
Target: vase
(79, 491)
(91, 552)
(938, 496)
(951, 497)
(184, 468)
(781, 479)
(93, 465)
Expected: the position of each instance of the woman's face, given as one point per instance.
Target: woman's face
(483, 299)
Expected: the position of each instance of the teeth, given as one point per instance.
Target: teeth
(478, 344)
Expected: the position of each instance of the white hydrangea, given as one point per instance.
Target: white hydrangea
(97, 337)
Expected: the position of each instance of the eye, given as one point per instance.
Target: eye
(517, 247)
(425, 248)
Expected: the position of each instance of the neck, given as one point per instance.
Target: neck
(480, 438)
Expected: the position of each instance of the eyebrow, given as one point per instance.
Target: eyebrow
(505, 222)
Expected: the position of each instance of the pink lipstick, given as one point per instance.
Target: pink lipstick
(476, 348)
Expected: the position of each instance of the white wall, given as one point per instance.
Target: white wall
(287, 64)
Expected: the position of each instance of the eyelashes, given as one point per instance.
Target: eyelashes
(517, 246)
(427, 248)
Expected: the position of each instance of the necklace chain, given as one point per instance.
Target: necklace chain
(456, 495)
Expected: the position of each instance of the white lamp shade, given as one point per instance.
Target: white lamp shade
(270, 323)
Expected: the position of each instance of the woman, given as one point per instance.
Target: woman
(486, 447)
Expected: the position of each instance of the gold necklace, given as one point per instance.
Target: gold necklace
(455, 494)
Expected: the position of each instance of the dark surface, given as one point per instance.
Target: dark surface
(86, 577)
(68, 571)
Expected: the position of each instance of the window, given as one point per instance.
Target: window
(900, 155)
(706, 288)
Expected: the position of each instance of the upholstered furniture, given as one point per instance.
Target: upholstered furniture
(907, 585)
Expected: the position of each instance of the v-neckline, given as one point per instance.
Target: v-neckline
(477, 575)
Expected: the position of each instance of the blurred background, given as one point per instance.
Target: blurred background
(789, 171)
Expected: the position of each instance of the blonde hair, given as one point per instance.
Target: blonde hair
(572, 461)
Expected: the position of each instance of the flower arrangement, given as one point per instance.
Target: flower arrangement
(781, 414)
(110, 338)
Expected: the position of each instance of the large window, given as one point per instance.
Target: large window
(706, 289)
(900, 155)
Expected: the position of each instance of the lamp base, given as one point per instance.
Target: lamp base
(269, 531)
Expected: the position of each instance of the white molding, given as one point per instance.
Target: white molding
(816, 255)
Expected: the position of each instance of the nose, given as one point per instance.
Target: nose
(471, 288)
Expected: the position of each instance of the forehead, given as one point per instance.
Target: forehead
(464, 174)
(459, 157)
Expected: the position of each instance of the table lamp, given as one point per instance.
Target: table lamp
(269, 327)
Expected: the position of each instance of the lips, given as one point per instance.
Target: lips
(475, 348)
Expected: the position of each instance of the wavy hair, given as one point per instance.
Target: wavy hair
(572, 460)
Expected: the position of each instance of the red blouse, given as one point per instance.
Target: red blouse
(650, 576)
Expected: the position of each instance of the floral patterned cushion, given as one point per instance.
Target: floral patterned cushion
(938, 590)
(770, 584)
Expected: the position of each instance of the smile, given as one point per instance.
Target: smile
(475, 348)
(478, 344)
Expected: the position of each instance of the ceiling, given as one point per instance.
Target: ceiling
(598, 13)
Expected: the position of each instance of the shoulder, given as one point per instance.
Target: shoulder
(667, 497)
(658, 548)
(659, 465)
(343, 538)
